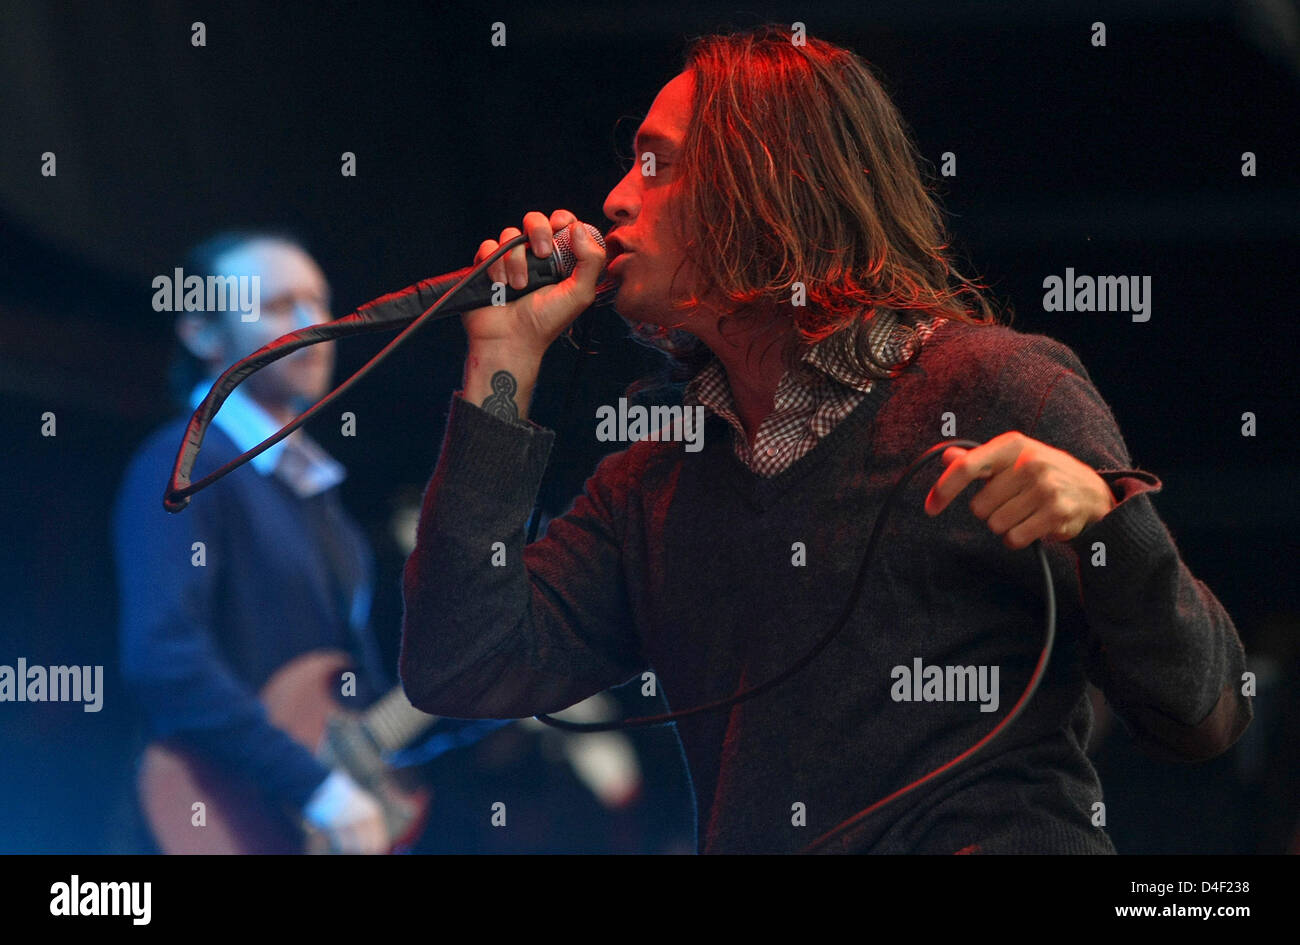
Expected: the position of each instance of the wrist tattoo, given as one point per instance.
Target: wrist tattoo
(501, 402)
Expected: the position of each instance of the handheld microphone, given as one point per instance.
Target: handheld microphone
(407, 304)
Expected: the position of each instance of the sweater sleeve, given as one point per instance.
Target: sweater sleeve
(170, 660)
(1160, 645)
(494, 629)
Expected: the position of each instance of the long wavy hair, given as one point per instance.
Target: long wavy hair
(798, 168)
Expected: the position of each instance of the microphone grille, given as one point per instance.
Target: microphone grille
(566, 260)
(565, 257)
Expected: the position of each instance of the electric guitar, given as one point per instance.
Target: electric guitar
(236, 818)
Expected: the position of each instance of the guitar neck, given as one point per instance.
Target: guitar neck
(394, 722)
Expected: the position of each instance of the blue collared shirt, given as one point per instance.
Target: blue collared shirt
(297, 459)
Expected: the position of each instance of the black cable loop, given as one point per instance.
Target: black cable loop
(180, 489)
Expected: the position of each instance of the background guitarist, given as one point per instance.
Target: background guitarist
(269, 567)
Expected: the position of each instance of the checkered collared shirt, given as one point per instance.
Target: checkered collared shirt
(811, 399)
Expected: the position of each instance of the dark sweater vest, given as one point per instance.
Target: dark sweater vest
(690, 566)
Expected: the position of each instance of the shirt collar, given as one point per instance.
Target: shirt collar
(297, 460)
(834, 354)
(886, 338)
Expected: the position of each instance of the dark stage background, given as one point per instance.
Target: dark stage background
(1119, 160)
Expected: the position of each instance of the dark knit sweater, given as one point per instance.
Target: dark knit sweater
(685, 564)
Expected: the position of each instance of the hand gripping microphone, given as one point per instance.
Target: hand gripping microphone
(400, 307)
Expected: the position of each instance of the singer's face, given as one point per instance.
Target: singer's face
(641, 207)
(293, 294)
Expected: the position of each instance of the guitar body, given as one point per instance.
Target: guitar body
(299, 699)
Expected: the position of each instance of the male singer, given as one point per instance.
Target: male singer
(780, 244)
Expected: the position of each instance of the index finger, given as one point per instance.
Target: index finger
(560, 219)
(982, 462)
(539, 233)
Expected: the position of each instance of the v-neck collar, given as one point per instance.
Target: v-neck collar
(762, 493)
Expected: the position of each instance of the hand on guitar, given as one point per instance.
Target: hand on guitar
(349, 817)
(340, 816)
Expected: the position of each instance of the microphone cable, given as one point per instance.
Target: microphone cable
(366, 319)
